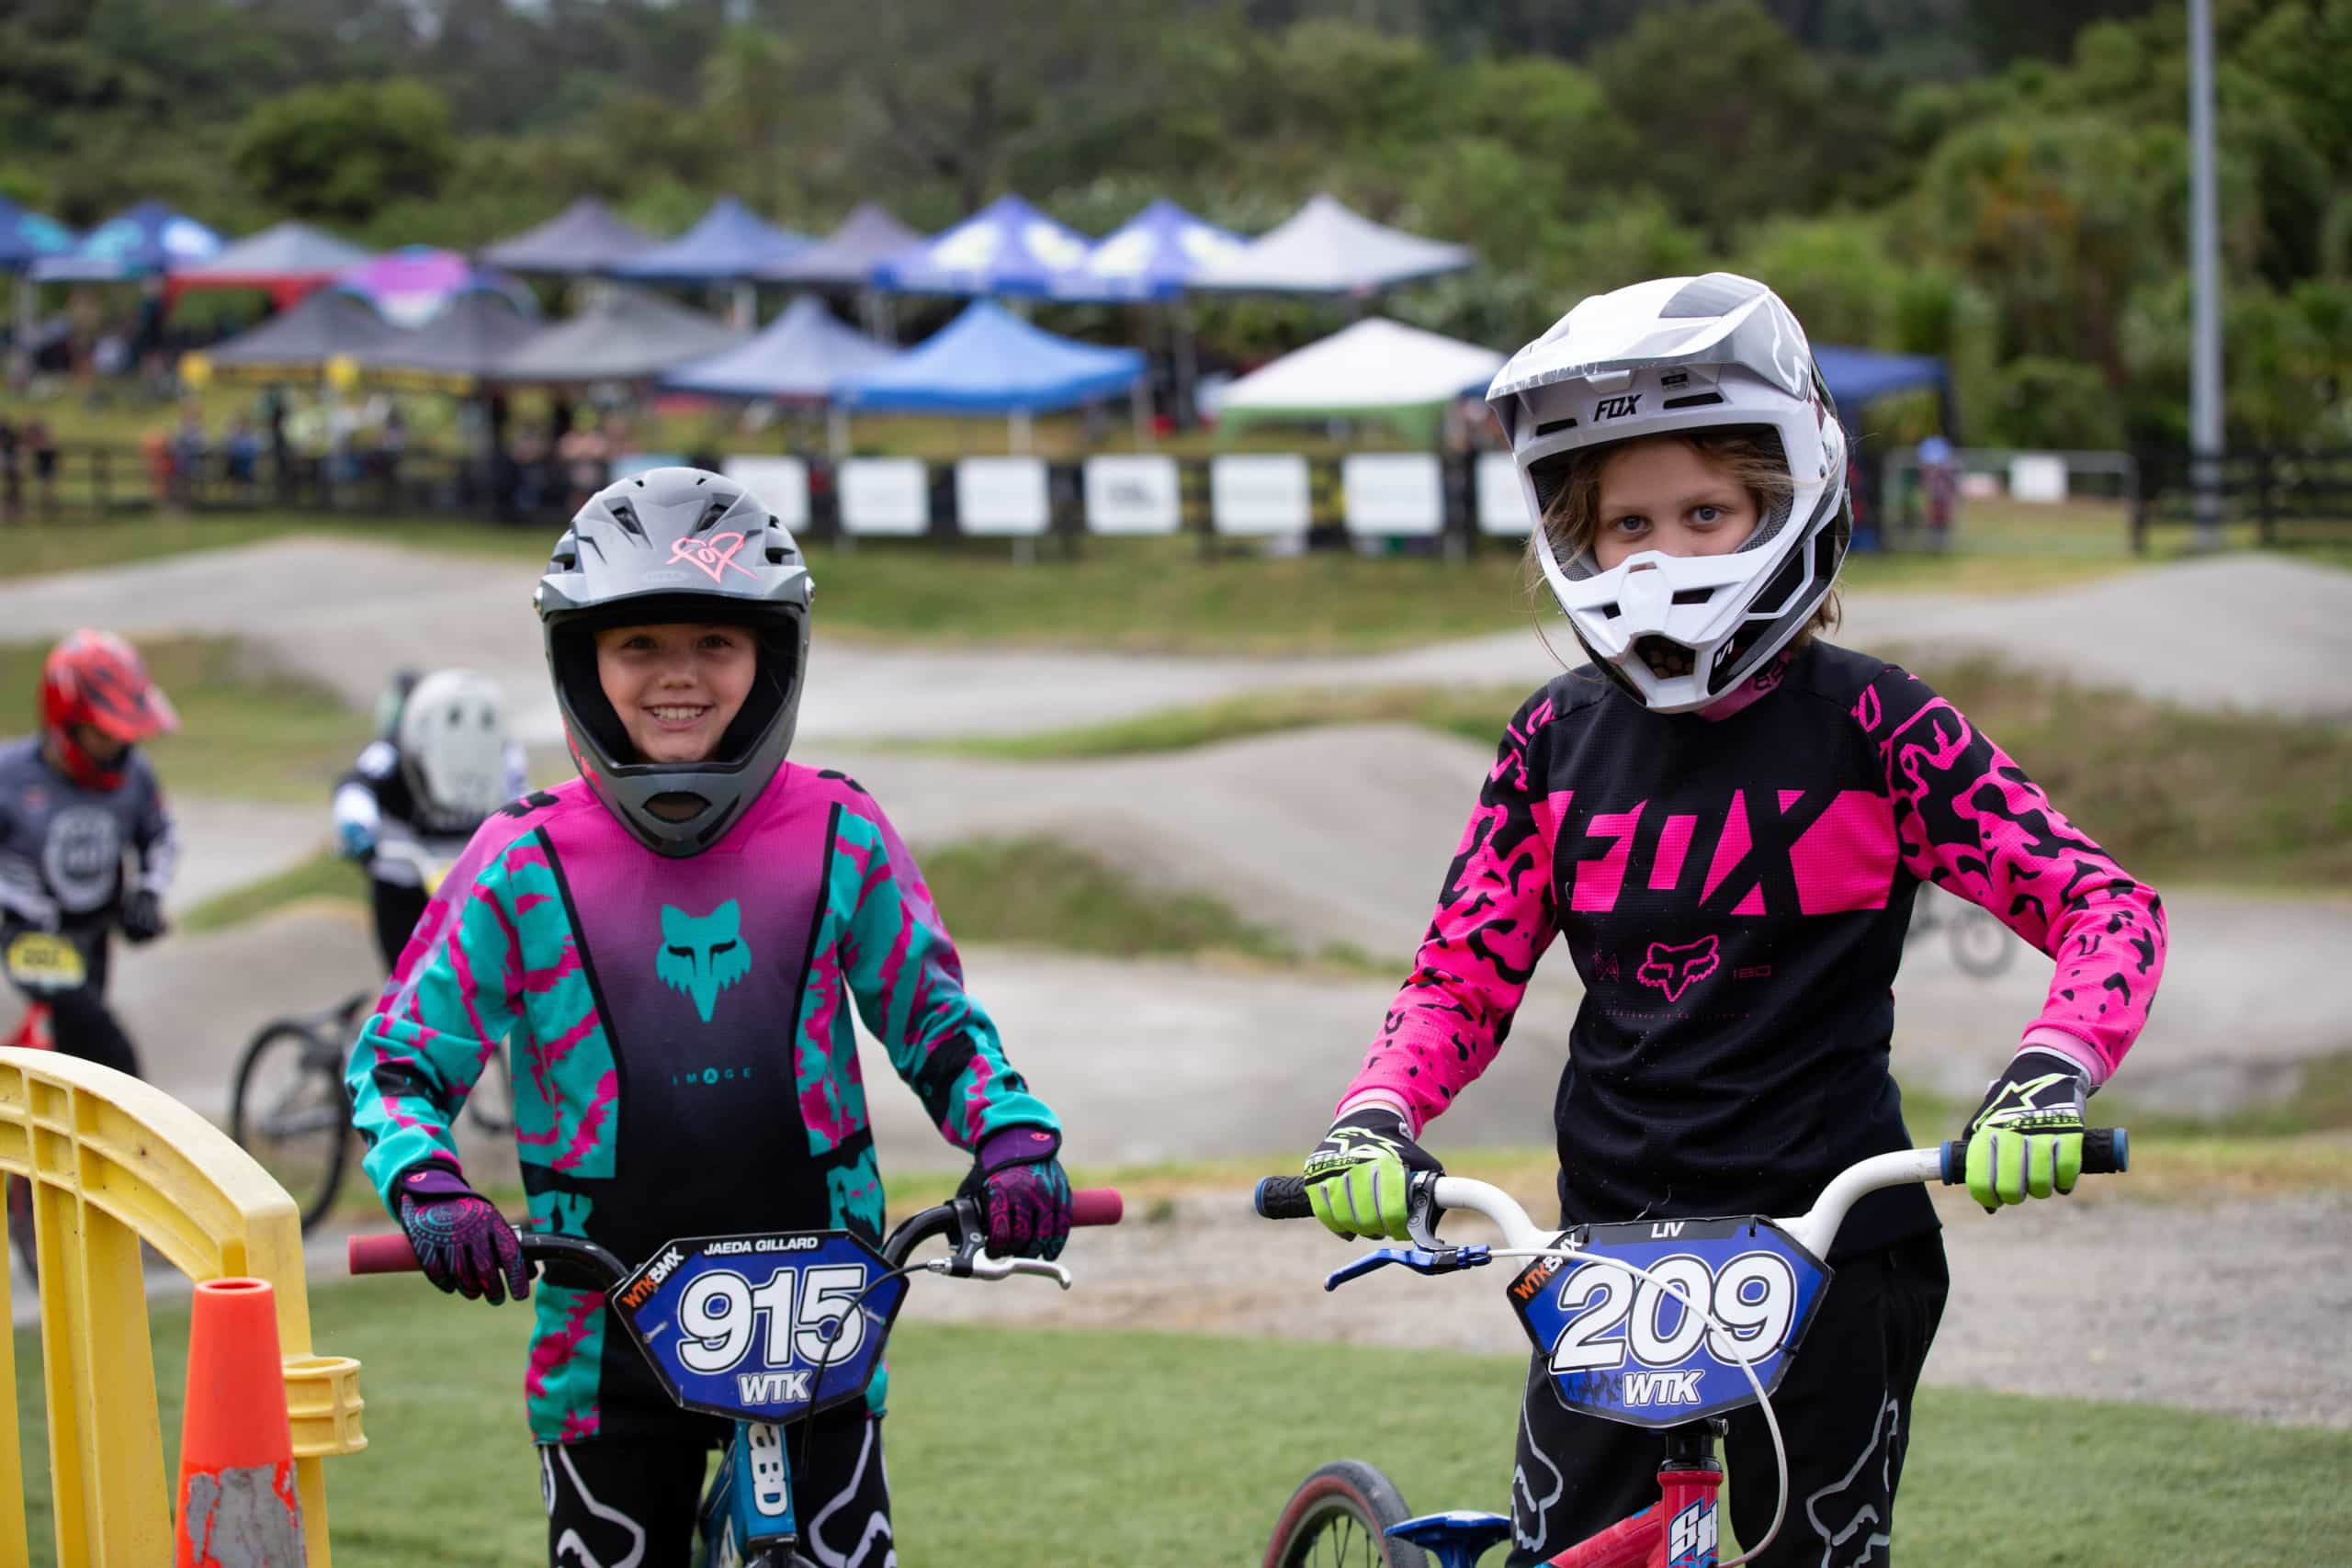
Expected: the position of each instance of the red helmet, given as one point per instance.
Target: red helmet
(95, 678)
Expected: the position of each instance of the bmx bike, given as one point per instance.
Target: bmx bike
(766, 1330)
(1980, 944)
(42, 964)
(288, 1107)
(1668, 1325)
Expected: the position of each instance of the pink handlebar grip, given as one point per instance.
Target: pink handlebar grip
(387, 1254)
(1096, 1206)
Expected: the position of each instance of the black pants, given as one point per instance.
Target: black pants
(397, 906)
(1845, 1412)
(85, 1026)
(622, 1503)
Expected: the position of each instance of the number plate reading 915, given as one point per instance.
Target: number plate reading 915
(1629, 1349)
(762, 1327)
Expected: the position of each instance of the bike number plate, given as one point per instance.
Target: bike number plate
(1628, 1349)
(765, 1327)
(40, 962)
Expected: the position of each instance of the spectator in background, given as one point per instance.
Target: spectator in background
(243, 451)
(12, 473)
(189, 448)
(1939, 483)
(273, 413)
(37, 441)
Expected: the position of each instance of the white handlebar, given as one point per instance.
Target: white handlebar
(1816, 1228)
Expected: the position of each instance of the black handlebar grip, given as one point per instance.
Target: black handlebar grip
(2107, 1151)
(1282, 1197)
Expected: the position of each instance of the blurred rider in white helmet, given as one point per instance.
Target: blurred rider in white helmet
(443, 759)
(1724, 820)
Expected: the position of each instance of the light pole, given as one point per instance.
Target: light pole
(2205, 284)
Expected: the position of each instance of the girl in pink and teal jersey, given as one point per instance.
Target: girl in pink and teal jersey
(669, 945)
(1724, 821)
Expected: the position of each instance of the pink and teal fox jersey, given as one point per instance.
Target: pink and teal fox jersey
(681, 1043)
(1733, 892)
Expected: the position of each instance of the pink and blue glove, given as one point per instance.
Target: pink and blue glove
(461, 1241)
(1024, 1195)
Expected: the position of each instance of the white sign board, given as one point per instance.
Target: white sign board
(2038, 476)
(1392, 494)
(1133, 495)
(631, 464)
(780, 484)
(1001, 497)
(1502, 503)
(1261, 495)
(884, 497)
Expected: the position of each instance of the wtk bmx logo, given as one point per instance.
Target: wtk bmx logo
(703, 954)
(1675, 970)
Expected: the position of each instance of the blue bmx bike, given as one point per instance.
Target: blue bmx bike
(1665, 1325)
(766, 1330)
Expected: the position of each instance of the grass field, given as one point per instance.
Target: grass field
(1141, 1449)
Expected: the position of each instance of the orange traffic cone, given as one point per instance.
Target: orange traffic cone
(238, 1507)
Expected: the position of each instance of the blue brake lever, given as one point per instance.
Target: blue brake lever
(1418, 1259)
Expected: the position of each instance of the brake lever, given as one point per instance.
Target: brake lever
(1420, 1260)
(1421, 1212)
(981, 1266)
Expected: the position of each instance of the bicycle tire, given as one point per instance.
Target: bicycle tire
(308, 1163)
(1340, 1515)
(495, 1114)
(1980, 944)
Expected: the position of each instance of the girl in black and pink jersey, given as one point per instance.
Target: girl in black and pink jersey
(1728, 820)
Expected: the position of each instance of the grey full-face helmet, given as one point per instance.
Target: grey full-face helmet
(669, 546)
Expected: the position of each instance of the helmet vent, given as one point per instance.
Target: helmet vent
(1610, 611)
(1695, 400)
(1549, 425)
(625, 516)
(710, 514)
(1693, 595)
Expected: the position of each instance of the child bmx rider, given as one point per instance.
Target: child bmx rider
(670, 941)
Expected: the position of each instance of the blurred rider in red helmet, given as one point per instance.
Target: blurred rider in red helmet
(75, 801)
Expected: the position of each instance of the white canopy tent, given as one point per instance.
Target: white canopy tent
(1376, 368)
(1326, 248)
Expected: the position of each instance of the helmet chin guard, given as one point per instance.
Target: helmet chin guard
(1682, 356)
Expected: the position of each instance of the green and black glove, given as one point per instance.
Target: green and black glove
(2026, 1140)
(1356, 1176)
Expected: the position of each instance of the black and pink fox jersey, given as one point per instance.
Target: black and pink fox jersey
(1735, 892)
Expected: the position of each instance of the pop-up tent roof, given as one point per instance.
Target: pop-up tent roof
(285, 261)
(1007, 247)
(306, 336)
(138, 241)
(846, 258)
(1859, 376)
(467, 340)
(626, 336)
(989, 361)
(25, 236)
(1152, 256)
(804, 353)
(1376, 368)
(730, 241)
(584, 238)
(410, 286)
(1325, 248)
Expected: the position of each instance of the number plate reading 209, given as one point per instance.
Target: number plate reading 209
(762, 1328)
(1627, 1350)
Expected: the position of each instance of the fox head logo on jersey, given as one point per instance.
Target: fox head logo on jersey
(1674, 969)
(703, 954)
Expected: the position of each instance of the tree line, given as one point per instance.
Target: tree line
(2004, 182)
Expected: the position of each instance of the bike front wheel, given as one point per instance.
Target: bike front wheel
(289, 1111)
(1339, 1517)
(1980, 944)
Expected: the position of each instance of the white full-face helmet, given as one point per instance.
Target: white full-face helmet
(1679, 356)
(453, 746)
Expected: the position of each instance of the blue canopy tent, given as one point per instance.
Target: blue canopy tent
(139, 242)
(846, 258)
(1007, 247)
(1857, 376)
(728, 244)
(583, 239)
(988, 361)
(1155, 257)
(801, 355)
(26, 237)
